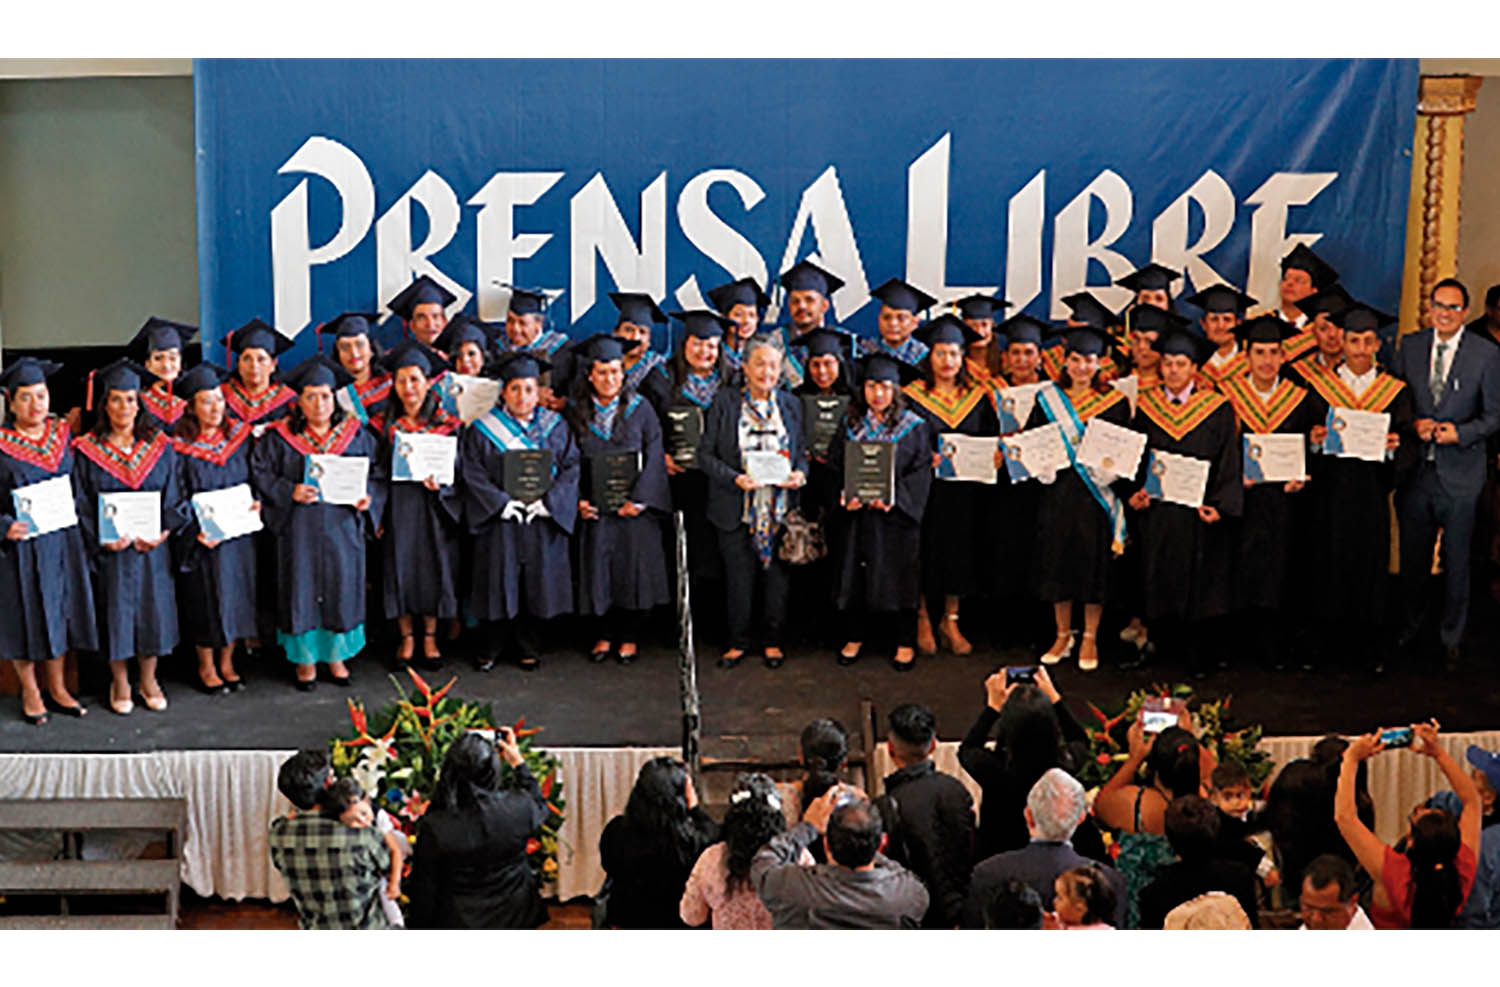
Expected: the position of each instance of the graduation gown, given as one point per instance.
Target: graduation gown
(275, 403)
(1185, 562)
(953, 541)
(320, 548)
(689, 490)
(1010, 531)
(161, 406)
(217, 585)
(621, 560)
(134, 591)
(1266, 534)
(512, 555)
(876, 548)
(46, 598)
(364, 401)
(1073, 552)
(419, 533)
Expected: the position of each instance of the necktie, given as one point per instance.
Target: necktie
(1436, 384)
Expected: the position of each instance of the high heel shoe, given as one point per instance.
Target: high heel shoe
(1088, 664)
(156, 703)
(1053, 656)
(222, 689)
(847, 659)
(77, 710)
(35, 719)
(953, 637)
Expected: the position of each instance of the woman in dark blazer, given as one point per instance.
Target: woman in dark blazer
(469, 867)
(746, 515)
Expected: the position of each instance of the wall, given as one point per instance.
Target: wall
(1479, 197)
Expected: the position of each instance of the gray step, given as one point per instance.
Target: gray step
(54, 923)
(85, 814)
(90, 875)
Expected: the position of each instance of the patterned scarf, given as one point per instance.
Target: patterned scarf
(701, 390)
(603, 423)
(643, 366)
(761, 430)
(872, 427)
(910, 351)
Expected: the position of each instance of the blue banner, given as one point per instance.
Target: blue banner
(325, 186)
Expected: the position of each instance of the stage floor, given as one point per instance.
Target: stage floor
(750, 712)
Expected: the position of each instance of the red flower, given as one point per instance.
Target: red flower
(357, 717)
(422, 686)
(547, 784)
(533, 845)
(1103, 758)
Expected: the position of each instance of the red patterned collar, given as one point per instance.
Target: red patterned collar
(334, 443)
(441, 423)
(130, 468)
(46, 452)
(253, 409)
(374, 390)
(229, 438)
(162, 403)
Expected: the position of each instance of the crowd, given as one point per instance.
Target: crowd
(1173, 840)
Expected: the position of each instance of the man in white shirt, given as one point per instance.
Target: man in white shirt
(1328, 901)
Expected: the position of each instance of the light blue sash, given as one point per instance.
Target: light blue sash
(1059, 409)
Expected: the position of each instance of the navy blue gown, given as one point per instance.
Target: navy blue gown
(419, 545)
(46, 599)
(217, 585)
(134, 591)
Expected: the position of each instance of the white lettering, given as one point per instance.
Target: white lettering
(598, 228)
(1072, 249)
(927, 225)
(719, 242)
(1169, 246)
(292, 254)
(1023, 245)
(396, 263)
(498, 245)
(1269, 241)
(822, 208)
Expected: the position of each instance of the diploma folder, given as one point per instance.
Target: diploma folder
(611, 478)
(528, 473)
(684, 430)
(822, 414)
(870, 472)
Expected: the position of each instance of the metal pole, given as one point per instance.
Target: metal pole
(687, 661)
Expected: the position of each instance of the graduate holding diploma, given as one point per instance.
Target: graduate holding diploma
(133, 579)
(320, 546)
(216, 579)
(622, 567)
(1080, 525)
(46, 599)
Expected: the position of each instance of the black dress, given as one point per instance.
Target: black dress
(953, 552)
(646, 878)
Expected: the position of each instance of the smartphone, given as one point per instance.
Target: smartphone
(1157, 714)
(1019, 673)
(1396, 737)
(845, 794)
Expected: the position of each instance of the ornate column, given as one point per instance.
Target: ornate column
(1433, 212)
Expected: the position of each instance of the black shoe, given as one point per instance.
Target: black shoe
(77, 710)
(624, 659)
(903, 666)
(427, 664)
(35, 719)
(727, 662)
(771, 662)
(599, 657)
(848, 659)
(222, 689)
(343, 682)
(484, 663)
(235, 685)
(1450, 660)
(307, 686)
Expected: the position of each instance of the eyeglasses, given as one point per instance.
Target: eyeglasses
(1447, 308)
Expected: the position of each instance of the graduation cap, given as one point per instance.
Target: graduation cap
(1086, 340)
(256, 335)
(807, 276)
(898, 294)
(122, 375)
(518, 364)
(947, 328)
(348, 325)
(1089, 310)
(603, 347)
(979, 306)
(1222, 298)
(703, 323)
(203, 377)
(26, 371)
(1331, 301)
(879, 366)
(826, 342)
(636, 307)
(423, 291)
(159, 334)
(745, 291)
(1359, 317)
(413, 353)
(1178, 341)
(316, 371)
(1149, 318)
(1152, 277)
(464, 328)
(1267, 328)
(1302, 258)
(524, 301)
(1022, 328)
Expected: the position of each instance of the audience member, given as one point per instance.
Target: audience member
(1424, 887)
(1328, 899)
(860, 888)
(1014, 906)
(345, 801)
(1054, 807)
(1229, 791)
(1299, 811)
(1211, 912)
(1192, 825)
(719, 886)
(824, 747)
(1482, 909)
(929, 815)
(1084, 898)
(469, 868)
(649, 851)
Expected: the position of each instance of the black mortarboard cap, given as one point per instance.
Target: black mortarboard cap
(524, 301)
(604, 347)
(518, 364)
(1184, 342)
(1265, 329)
(636, 307)
(1149, 318)
(256, 335)
(880, 366)
(1303, 259)
(464, 328)
(159, 334)
(745, 291)
(26, 371)
(703, 323)
(423, 291)
(1360, 317)
(316, 371)
(1089, 310)
(980, 306)
(1087, 340)
(123, 374)
(823, 342)
(413, 353)
(947, 328)
(898, 294)
(349, 324)
(1329, 301)
(807, 276)
(1022, 328)
(1152, 277)
(1222, 298)
(203, 377)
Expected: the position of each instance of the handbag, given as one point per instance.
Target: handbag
(800, 541)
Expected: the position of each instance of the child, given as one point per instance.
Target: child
(1229, 790)
(1082, 899)
(345, 801)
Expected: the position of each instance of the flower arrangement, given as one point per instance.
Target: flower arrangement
(395, 752)
(1211, 722)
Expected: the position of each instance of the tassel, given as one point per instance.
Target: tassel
(88, 394)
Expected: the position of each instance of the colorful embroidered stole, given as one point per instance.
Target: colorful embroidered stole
(602, 423)
(46, 453)
(1234, 367)
(642, 367)
(332, 444)
(1376, 397)
(1177, 420)
(1296, 347)
(130, 468)
(231, 435)
(250, 410)
(949, 413)
(1263, 417)
(162, 403)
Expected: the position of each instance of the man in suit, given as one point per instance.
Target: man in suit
(1054, 808)
(1454, 379)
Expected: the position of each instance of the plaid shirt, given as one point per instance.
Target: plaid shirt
(336, 874)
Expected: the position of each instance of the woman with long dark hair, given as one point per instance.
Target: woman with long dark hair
(469, 868)
(622, 569)
(46, 600)
(1424, 886)
(320, 547)
(649, 851)
(216, 578)
(133, 584)
(719, 886)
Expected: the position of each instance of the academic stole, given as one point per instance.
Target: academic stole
(547, 343)
(1298, 346)
(45, 453)
(231, 435)
(1177, 420)
(1376, 397)
(130, 468)
(950, 413)
(1262, 416)
(332, 444)
(1234, 367)
(162, 403)
(910, 351)
(441, 423)
(248, 409)
(362, 396)
(1070, 418)
(509, 435)
(701, 390)
(602, 423)
(642, 367)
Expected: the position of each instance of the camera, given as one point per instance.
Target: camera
(1020, 673)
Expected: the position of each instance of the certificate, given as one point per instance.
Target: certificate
(1129, 386)
(339, 479)
(418, 455)
(966, 458)
(129, 514)
(1275, 458)
(46, 506)
(1015, 405)
(1357, 434)
(1111, 448)
(226, 514)
(1035, 452)
(769, 469)
(467, 397)
(1177, 479)
(870, 472)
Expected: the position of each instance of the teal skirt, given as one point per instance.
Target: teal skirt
(311, 647)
